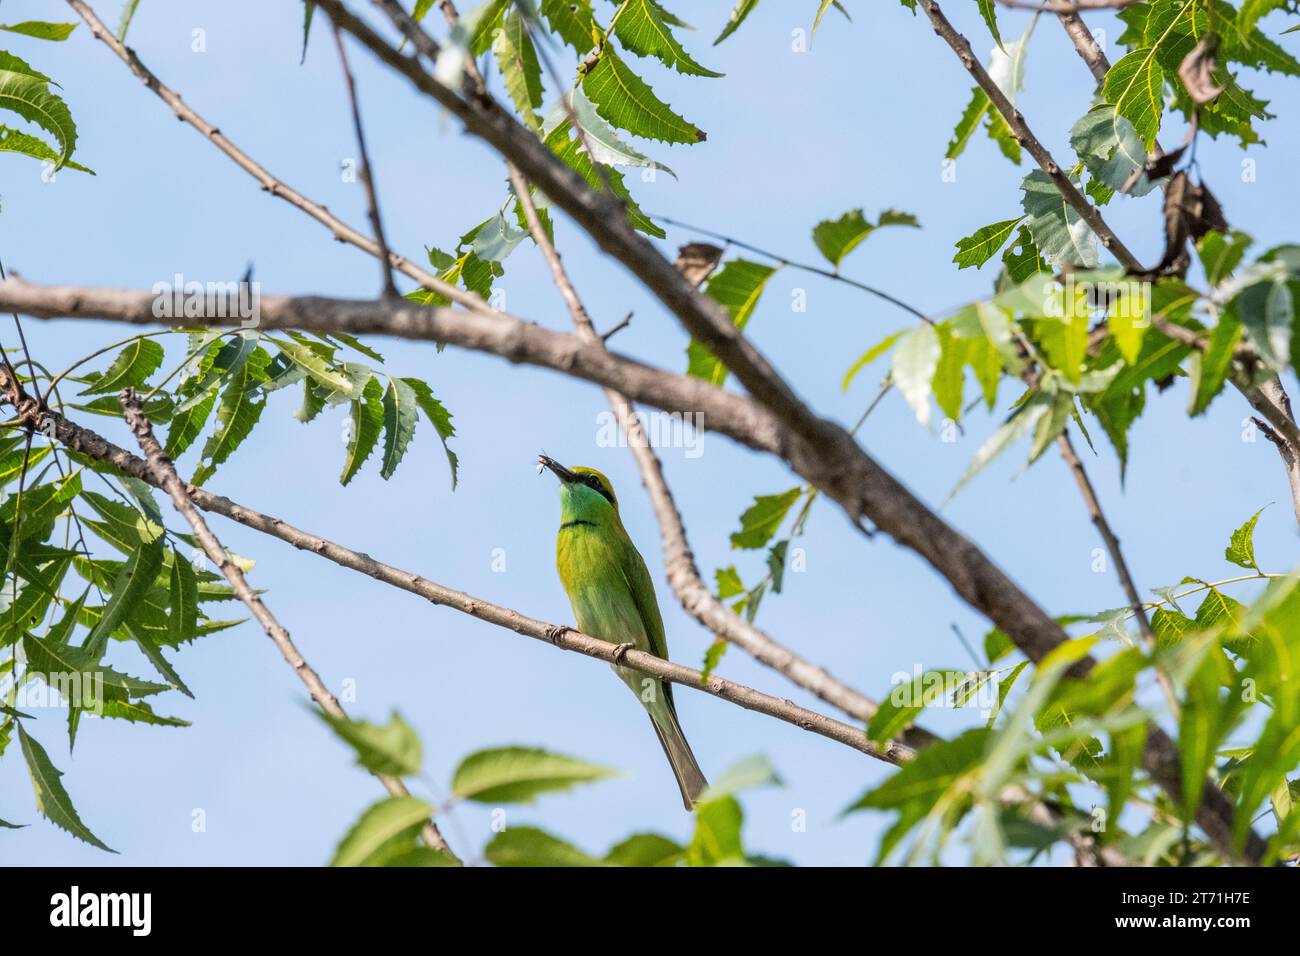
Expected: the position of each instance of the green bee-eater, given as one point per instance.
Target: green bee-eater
(613, 598)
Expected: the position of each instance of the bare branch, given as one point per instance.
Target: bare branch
(276, 187)
(367, 169)
(1067, 7)
(162, 473)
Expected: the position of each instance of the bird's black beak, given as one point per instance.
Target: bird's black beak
(559, 470)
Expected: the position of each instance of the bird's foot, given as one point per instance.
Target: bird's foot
(556, 631)
(621, 651)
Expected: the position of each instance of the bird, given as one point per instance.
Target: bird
(613, 599)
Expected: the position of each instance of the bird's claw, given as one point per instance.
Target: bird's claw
(556, 631)
(621, 651)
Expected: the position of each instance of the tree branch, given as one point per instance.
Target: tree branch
(342, 231)
(162, 473)
(35, 416)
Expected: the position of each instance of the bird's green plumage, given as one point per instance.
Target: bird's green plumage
(613, 598)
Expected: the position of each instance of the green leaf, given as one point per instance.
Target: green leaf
(28, 96)
(905, 702)
(439, 417)
(132, 367)
(238, 412)
(572, 20)
(763, 518)
(1267, 312)
(1111, 150)
(736, 287)
(1209, 369)
(14, 141)
(869, 356)
(393, 749)
(1024, 418)
(316, 363)
(52, 800)
(624, 100)
(742, 9)
(183, 601)
(1221, 254)
(1135, 85)
(529, 846)
(1241, 548)
(641, 28)
(749, 773)
(981, 245)
(988, 11)
(366, 423)
(308, 11)
(603, 141)
(1021, 260)
(520, 774)
(400, 415)
(836, 238)
(914, 363)
(56, 663)
(571, 152)
(645, 849)
(520, 68)
(187, 425)
(1058, 231)
(138, 712)
(40, 29)
(388, 822)
(135, 578)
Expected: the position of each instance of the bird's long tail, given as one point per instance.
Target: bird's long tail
(689, 776)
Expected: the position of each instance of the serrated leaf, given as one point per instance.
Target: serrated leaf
(520, 68)
(15, 141)
(183, 601)
(56, 663)
(761, 520)
(1241, 547)
(366, 424)
(392, 749)
(29, 97)
(135, 578)
(905, 702)
(988, 10)
(1058, 231)
(642, 29)
(520, 774)
(138, 712)
(742, 9)
(238, 412)
(52, 800)
(645, 849)
(983, 244)
(570, 151)
(400, 415)
(624, 100)
(1135, 86)
(1220, 254)
(572, 20)
(603, 141)
(440, 418)
(1022, 420)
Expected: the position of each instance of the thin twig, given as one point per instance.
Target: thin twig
(276, 187)
(162, 473)
(367, 169)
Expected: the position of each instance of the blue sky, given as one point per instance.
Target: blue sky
(861, 120)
